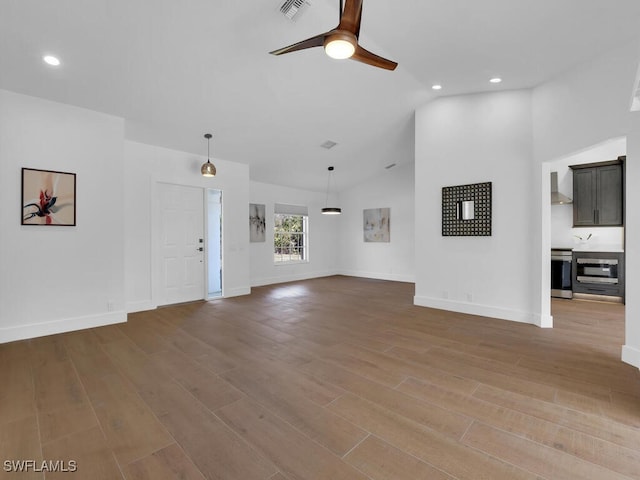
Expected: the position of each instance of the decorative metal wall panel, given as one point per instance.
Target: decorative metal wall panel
(453, 222)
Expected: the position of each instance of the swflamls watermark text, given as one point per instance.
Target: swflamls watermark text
(40, 466)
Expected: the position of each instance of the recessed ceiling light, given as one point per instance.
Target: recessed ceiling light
(51, 60)
(496, 80)
(328, 144)
(436, 87)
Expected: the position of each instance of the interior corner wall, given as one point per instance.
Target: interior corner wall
(53, 278)
(394, 260)
(323, 237)
(631, 348)
(463, 140)
(148, 165)
(584, 107)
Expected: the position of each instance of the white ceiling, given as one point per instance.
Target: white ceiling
(177, 69)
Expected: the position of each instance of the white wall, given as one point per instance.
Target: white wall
(52, 278)
(631, 350)
(181, 168)
(562, 232)
(323, 236)
(394, 189)
(584, 107)
(470, 139)
(588, 105)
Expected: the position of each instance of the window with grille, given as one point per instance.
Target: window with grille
(290, 234)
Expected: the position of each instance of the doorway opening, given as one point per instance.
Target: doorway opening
(564, 236)
(214, 243)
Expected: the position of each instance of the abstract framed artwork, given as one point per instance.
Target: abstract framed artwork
(48, 197)
(257, 222)
(466, 210)
(376, 225)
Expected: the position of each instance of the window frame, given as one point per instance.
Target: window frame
(303, 245)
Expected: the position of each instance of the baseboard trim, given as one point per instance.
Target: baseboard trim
(294, 277)
(393, 277)
(546, 321)
(34, 330)
(143, 306)
(236, 292)
(631, 355)
(482, 310)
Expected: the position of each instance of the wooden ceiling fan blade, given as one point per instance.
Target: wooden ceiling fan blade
(357, 31)
(365, 56)
(316, 41)
(351, 15)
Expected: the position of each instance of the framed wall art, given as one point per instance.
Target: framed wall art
(257, 222)
(376, 226)
(48, 197)
(466, 210)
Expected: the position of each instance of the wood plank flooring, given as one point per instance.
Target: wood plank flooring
(332, 378)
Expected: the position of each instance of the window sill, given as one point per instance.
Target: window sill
(293, 262)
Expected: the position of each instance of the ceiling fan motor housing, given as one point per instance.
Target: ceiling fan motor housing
(340, 44)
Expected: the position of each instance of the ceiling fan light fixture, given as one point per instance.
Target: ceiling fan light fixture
(208, 169)
(340, 45)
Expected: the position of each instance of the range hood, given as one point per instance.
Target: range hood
(556, 197)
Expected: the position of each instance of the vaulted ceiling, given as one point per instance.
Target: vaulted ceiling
(177, 69)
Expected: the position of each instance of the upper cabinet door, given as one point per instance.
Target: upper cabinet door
(598, 195)
(609, 211)
(584, 197)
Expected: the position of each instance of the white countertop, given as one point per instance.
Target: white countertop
(598, 247)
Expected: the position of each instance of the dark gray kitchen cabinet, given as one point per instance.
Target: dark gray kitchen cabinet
(598, 194)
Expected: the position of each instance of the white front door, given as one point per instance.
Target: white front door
(181, 244)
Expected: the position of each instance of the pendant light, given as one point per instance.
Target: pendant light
(330, 210)
(208, 169)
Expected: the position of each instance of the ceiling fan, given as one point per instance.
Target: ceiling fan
(342, 41)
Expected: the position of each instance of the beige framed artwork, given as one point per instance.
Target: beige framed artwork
(376, 225)
(48, 197)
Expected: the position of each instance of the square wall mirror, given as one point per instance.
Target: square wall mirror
(467, 210)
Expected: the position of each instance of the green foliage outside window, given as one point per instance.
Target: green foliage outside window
(289, 238)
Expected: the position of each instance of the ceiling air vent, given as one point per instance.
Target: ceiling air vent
(293, 8)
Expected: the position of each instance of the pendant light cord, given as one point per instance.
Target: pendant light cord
(326, 201)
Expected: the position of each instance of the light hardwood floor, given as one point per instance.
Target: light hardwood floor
(333, 378)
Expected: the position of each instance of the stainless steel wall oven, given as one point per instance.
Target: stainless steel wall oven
(561, 273)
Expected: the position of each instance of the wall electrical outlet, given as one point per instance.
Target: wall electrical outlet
(445, 295)
(110, 306)
(469, 297)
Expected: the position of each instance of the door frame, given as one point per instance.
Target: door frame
(156, 233)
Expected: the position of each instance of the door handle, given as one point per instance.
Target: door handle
(201, 249)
